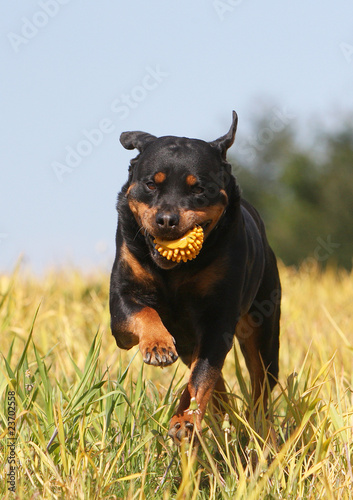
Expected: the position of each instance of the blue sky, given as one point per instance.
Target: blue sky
(76, 74)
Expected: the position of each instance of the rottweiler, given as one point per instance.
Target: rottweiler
(193, 308)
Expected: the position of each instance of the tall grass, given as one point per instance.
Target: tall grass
(92, 421)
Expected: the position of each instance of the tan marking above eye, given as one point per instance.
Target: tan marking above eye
(191, 180)
(159, 177)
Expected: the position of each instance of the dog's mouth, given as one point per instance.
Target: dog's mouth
(156, 256)
(167, 258)
(205, 225)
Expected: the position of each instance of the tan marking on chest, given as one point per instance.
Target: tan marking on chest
(207, 279)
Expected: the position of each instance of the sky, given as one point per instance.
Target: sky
(75, 74)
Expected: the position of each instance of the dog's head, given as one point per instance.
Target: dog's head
(176, 183)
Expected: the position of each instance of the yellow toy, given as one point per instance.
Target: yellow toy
(185, 248)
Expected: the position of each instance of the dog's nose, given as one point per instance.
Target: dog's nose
(167, 220)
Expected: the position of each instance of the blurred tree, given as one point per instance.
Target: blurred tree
(305, 195)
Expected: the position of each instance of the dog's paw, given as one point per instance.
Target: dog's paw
(182, 427)
(159, 352)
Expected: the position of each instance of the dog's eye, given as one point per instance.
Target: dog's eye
(197, 190)
(151, 185)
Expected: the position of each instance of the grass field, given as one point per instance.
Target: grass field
(91, 421)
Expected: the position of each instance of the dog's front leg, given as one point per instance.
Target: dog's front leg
(155, 342)
(205, 375)
(143, 326)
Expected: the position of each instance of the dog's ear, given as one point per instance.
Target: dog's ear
(225, 142)
(138, 140)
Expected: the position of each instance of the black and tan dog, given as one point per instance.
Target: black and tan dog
(193, 309)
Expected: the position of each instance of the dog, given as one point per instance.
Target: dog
(193, 309)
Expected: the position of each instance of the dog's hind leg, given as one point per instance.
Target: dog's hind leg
(258, 335)
(219, 397)
(249, 337)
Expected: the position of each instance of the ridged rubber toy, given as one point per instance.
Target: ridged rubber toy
(185, 248)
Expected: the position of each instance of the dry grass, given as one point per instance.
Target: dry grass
(110, 414)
